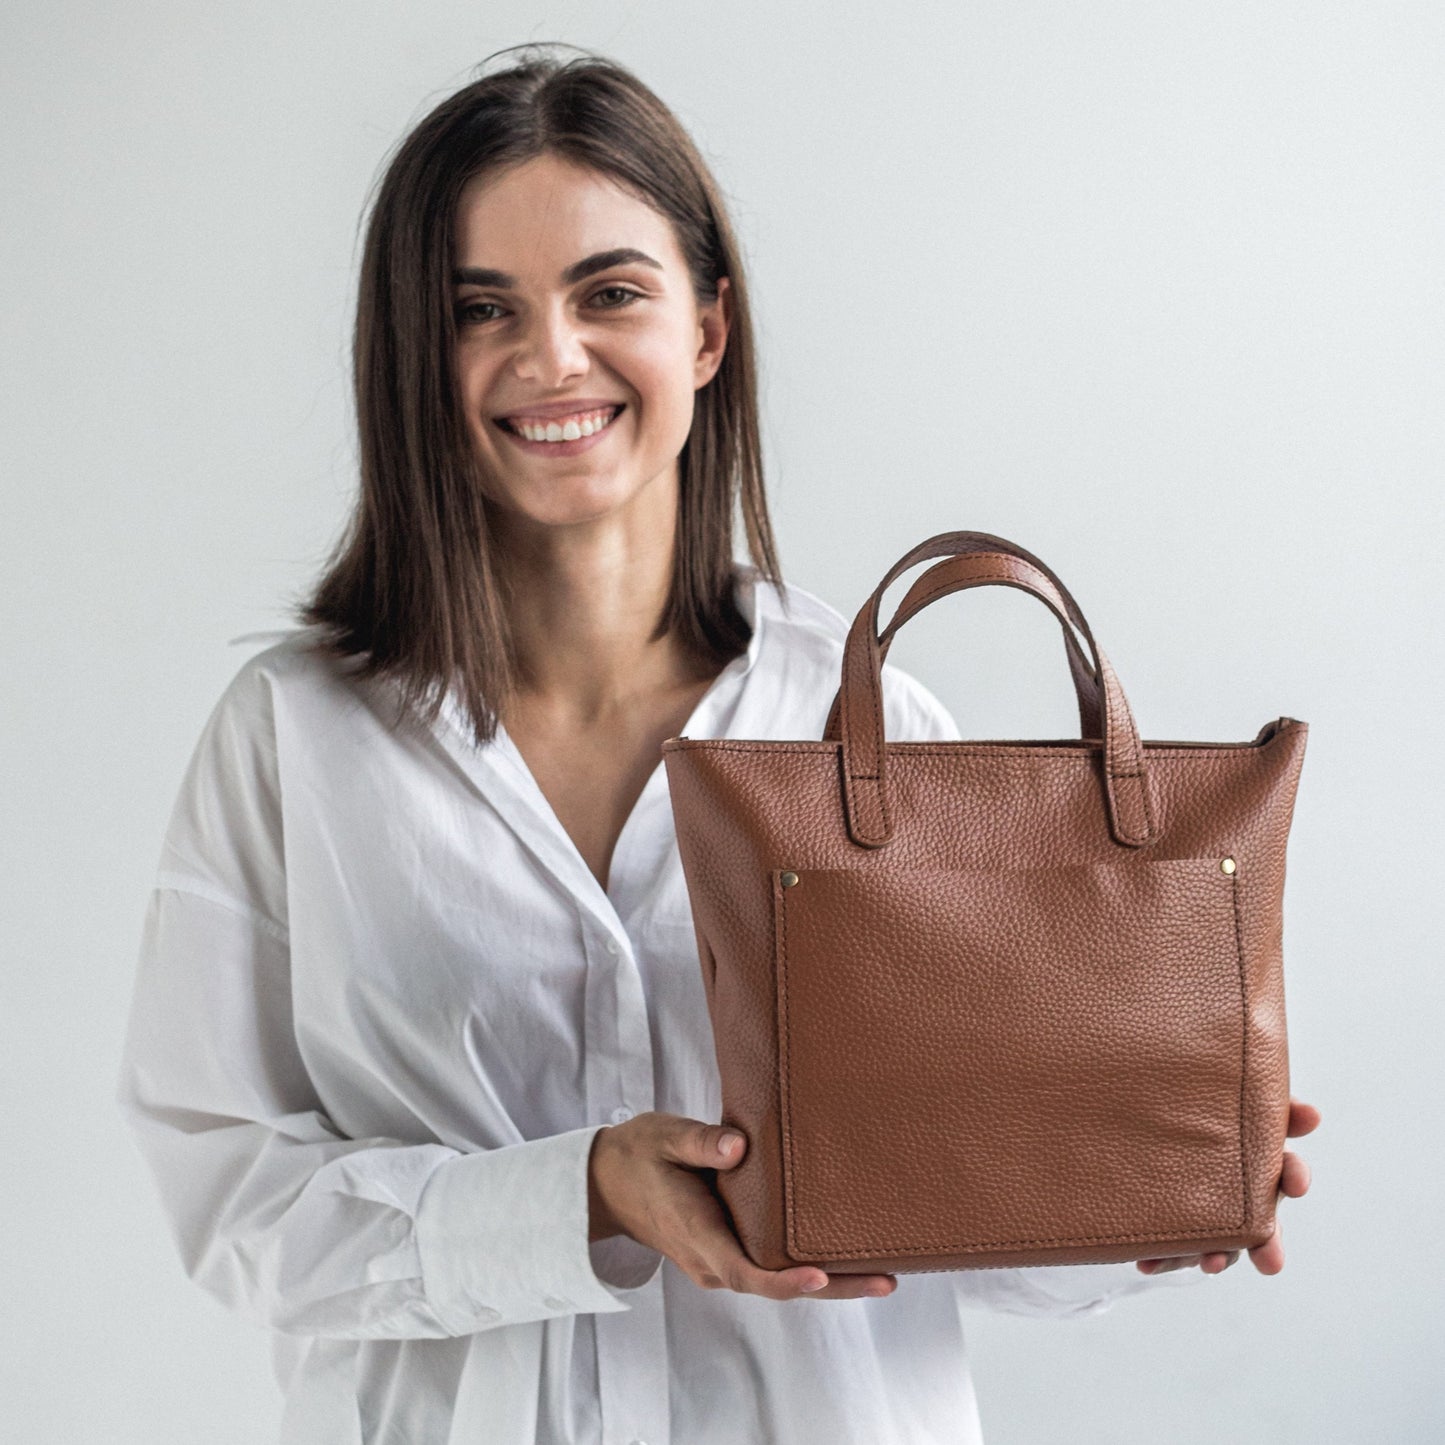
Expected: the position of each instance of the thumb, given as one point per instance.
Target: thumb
(715, 1146)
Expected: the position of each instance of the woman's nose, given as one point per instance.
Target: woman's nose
(550, 349)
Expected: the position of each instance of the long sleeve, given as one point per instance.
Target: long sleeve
(281, 1217)
(274, 1210)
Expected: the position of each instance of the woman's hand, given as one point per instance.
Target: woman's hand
(650, 1178)
(1294, 1180)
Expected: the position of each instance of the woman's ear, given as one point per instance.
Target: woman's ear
(713, 322)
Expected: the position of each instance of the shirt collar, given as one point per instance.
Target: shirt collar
(499, 771)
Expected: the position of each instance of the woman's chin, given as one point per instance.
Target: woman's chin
(568, 502)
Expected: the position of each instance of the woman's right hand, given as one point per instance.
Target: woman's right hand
(645, 1179)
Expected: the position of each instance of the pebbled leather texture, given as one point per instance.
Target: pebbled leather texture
(1014, 1010)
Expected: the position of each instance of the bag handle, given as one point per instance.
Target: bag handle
(975, 569)
(863, 753)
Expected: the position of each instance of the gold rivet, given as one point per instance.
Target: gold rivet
(788, 879)
(1226, 865)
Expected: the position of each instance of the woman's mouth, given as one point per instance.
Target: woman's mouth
(563, 435)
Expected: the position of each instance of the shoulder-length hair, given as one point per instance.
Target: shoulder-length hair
(412, 586)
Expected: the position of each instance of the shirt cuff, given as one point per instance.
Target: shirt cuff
(502, 1237)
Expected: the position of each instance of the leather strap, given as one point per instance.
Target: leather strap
(863, 753)
(975, 569)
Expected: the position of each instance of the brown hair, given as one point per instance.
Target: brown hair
(412, 584)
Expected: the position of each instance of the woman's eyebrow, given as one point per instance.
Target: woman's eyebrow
(577, 271)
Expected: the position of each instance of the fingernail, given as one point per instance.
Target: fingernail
(813, 1284)
(728, 1143)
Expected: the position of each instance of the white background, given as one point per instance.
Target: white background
(1153, 289)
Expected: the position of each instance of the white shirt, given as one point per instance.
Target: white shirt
(382, 1006)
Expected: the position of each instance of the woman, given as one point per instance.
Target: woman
(419, 1051)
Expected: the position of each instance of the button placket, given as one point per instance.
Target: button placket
(635, 1066)
(633, 1079)
(632, 1370)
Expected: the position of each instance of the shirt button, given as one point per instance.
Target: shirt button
(621, 1115)
(553, 1303)
(486, 1312)
(612, 945)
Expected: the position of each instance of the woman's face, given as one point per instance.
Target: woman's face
(572, 296)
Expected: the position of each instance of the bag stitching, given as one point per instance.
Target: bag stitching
(1243, 1043)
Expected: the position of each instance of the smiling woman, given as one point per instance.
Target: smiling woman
(419, 1051)
(552, 330)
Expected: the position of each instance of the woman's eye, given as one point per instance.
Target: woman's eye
(625, 291)
(464, 311)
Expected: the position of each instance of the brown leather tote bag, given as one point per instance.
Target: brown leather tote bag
(992, 1004)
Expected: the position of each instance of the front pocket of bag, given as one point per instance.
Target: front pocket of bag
(976, 1059)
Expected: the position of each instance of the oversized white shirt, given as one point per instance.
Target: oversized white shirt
(382, 1007)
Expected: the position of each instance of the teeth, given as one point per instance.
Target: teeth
(565, 429)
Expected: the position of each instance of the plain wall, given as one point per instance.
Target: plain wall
(1153, 289)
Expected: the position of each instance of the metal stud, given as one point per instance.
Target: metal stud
(788, 879)
(1226, 865)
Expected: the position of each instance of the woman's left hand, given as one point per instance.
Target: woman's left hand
(1294, 1180)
